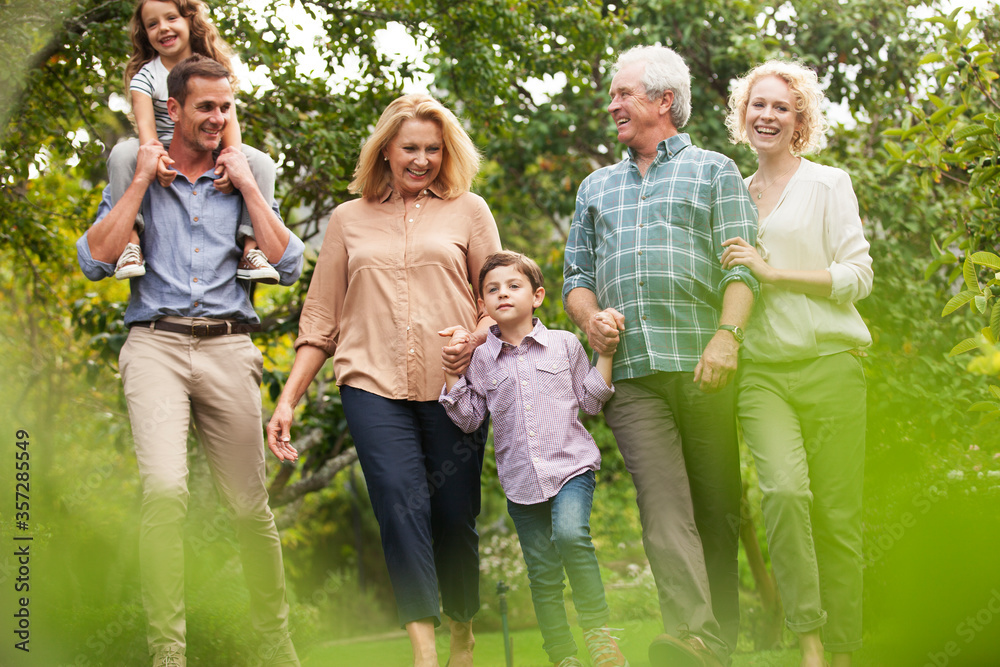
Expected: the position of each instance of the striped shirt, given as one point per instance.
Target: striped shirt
(534, 393)
(651, 248)
(151, 80)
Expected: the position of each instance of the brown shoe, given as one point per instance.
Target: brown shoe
(688, 651)
(603, 648)
(254, 267)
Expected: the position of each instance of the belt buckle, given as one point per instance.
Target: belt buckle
(199, 329)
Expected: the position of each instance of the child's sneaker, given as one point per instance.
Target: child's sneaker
(571, 661)
(130, 264)
(603, 648)
(254, 266)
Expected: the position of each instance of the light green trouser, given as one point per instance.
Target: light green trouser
(804, 422)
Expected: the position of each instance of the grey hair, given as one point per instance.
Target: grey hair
(665, 70)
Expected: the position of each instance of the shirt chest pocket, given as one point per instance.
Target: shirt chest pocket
(554, 378)
(499, 391)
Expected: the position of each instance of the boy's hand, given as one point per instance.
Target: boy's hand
(164, 174)
(456, 355)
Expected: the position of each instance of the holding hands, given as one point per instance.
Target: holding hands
(233, 169)
(603, 329)
(456, 355)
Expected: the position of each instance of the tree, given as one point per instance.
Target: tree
(951, 139)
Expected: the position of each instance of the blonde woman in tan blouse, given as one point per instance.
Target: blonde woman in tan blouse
(397, 266)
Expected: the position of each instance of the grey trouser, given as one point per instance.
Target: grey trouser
(680, 446)
(121, 170)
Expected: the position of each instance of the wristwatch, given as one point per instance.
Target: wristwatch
(735, 330)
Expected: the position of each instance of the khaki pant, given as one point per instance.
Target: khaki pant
(169, 378)
(804, 423)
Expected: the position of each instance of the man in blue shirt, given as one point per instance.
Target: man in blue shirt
(189, 353)
(643, 272)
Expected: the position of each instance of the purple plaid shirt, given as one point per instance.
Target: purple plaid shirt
(534, 393)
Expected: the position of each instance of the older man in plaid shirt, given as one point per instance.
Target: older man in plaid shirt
(643, 269)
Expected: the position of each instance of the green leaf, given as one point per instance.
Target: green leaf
(969, 274)
(995, 389)
(957, 301)
(964, 346)
(988, 259)
(980, 302)
(984, 406)
(971, 131)
(931, 58)
(995, 321)
(894, 150)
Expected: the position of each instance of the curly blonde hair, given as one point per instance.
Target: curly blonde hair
(205, 38)
(806, 93)
(459, 160)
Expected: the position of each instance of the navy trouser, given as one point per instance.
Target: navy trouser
(422, 474)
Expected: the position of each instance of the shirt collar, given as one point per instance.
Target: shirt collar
(668, 147)
(432, 189)
(539, 334)
(209, 173)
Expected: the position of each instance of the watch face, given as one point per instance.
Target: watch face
(735, 330)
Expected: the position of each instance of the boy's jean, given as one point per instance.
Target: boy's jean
(554, 535)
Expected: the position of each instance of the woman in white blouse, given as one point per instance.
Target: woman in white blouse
(801, 386)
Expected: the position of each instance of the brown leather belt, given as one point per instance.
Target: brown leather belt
(223, 329)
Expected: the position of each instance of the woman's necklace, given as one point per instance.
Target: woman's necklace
(760, 192)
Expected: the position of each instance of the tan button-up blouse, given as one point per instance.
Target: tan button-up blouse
(385, 284)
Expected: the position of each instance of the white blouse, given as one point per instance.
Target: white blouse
(816, 225)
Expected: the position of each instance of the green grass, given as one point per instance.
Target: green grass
(394, 650)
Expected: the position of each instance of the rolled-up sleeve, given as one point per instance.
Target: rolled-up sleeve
(733, 214)
(319, 323)
(851, 269)
(289, 267)
(483, 242)
(93, 269)
(579, 263)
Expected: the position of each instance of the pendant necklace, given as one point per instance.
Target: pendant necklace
(760, 193)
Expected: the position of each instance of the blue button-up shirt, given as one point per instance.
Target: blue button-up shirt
(189, 244)
(650, 246)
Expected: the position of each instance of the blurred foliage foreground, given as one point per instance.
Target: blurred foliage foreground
(921, 146)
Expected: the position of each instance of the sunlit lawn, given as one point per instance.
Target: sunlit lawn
(394, 650)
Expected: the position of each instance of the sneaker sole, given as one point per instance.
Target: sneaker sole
(258, 275)
(130, 272)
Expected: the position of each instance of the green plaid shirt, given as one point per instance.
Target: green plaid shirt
(651, 248)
